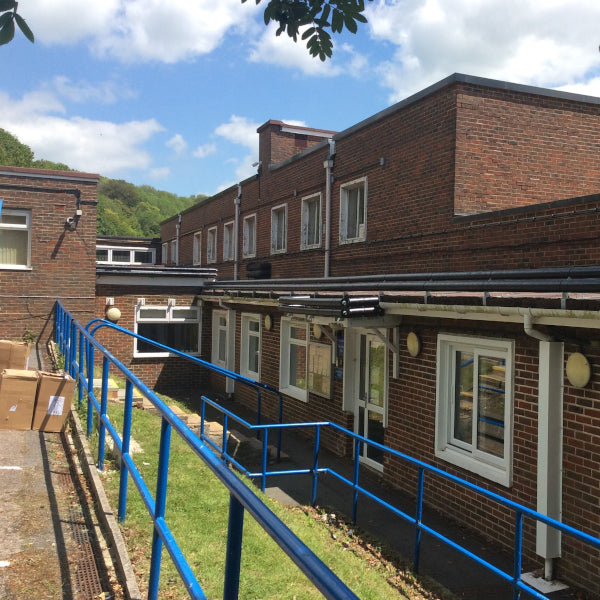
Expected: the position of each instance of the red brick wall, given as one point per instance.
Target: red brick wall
(63, 262)
(171, 374)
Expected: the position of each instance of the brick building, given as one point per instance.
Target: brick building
(429, 278)
(47, 250)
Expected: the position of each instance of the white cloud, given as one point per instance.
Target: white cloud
(205, 150)
(240, 130)
(107, 92)
(160, 173)
(139, 30)
(177, 144)
(283, 51)
(84, 144)
(539, 43)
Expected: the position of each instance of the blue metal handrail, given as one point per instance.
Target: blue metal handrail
(520, 511)
(241, 497)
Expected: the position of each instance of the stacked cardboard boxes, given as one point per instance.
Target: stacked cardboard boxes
(31, 399)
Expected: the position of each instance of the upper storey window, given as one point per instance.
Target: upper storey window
(353, 211)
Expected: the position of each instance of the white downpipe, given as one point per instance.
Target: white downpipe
(549, 462)
(236, 233)
(534, 333)
(328, 164)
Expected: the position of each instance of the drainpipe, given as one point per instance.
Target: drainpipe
(328, 164)
(236, 232)
(178, 228)
(550, 432)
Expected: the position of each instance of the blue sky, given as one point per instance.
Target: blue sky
(170, 94)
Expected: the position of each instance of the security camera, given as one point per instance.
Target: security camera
(71, 223)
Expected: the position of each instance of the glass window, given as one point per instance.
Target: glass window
(228, 241)
(197, 250)
(353, 212)
(279, 229)
(222, 337)
(474, 405)
(14, 238)
(174, 252)
(125, 256)
(165, 253)
(175, 327)
(250, 346)
(249, 249)
(294, 337)
(311, 221)
(211, 245)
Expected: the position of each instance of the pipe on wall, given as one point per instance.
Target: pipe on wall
(328, 164)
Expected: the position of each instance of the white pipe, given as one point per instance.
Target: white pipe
(236, 232)
(328, 164)
(534, 333)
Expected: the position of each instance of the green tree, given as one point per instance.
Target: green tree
(13, 152)
(321, 18)
(8, 18)
(42, 163)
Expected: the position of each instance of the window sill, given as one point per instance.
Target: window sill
(15, 268)
(352, 241)
(312, 247)
(297, 393)
(470, 463)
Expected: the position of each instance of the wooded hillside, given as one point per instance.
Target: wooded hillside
(123, 208)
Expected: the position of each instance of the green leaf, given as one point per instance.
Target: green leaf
(5, 18)
(7, 5)
(7, 33)
(351, 25)
(24, 27)
(337, 21)
(308, 32)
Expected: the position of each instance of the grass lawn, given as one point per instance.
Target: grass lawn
(197, 513)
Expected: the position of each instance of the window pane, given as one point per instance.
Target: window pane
(102, 255)
(185, 313)
(12, 219)
(490, 417)
(297, 366)
(180, 336)
(121, 256)
(222, 355)
(253, 353)
(254, 326)
(152, 313)
(13, 247)
(298, 333)
(143, 256)
(376, 373)
(463, 401)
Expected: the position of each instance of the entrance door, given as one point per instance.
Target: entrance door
(370, 406)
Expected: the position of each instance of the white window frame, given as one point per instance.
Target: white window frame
(494, 468)
(287, 323)
(361, 229)
(175, 251)
(131, 249)
(228, 241)
(249, 245)
(211, 245)
(170, 316)
(197, 248)
(247, 333)
(165, 252)
(26, 227)
(275, 227)
(305, 242)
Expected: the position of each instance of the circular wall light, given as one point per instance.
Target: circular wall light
(413, 343)
(113, 314)
(268, 322)
(578, 370)
(317, 331)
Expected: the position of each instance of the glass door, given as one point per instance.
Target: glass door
(371, 402)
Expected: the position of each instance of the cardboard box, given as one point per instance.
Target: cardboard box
(14, 355)
(53, 402)
(18, 390)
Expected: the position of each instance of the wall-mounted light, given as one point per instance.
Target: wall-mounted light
(578, 370)
(113, 314)
(268, 322)
(413, 344)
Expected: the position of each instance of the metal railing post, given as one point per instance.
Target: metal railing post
(518, 554)
(159, 507)
(418, 519)
(315, 468)
(90, 411)
(357, 445)
(80, 370)
(233, 558)
(103, 409)
(265, 452)
(125, 449)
